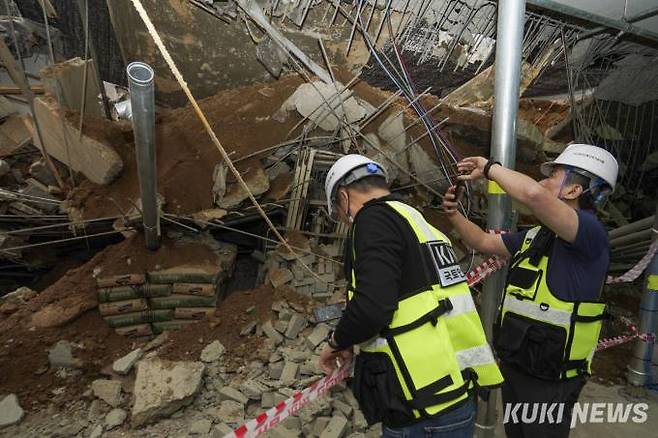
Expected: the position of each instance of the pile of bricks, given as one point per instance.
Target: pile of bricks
(284, 268)
(144, 304)
(286, 363)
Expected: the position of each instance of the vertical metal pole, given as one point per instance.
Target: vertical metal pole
(511, 19)
(142, 100)
(640, 372)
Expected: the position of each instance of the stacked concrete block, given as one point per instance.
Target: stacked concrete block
(144, 304)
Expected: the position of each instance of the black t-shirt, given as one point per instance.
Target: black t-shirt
(388, 261)
(576, 271)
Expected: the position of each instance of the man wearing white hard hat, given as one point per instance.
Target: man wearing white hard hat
(423, 354)
(550, 316)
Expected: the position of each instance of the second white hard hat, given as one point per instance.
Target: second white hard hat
(592, 159)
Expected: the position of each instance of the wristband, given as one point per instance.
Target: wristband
(331, 342)
(487, 167)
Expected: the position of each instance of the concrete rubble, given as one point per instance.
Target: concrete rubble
(61, 355)
(212, 352)
(161, 388)
(107, 390)
(125, 364)
(10, 411)
(115, 418)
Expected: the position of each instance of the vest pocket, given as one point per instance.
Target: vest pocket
(524, 282)
(535, 347)
(377, 388)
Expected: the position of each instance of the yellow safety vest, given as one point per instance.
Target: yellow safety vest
(435, 340)
(545, 336)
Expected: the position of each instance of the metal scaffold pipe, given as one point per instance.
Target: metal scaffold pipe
(509, 43)
(142, 100)
(643, 369)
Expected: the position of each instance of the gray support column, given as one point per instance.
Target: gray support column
(643, 369)
(142, 100)
(509, 37)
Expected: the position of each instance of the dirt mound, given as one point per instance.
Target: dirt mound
(67, 311)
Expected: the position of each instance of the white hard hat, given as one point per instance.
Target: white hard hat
(592, 159)
(347, 170)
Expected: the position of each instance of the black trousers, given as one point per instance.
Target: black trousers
(531, 406)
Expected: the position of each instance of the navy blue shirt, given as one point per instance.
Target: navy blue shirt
(576, 271)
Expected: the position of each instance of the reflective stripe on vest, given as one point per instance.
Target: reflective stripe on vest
(442, 349)
(537, 311)
(476, 356)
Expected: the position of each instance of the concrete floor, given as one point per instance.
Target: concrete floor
(596, 393)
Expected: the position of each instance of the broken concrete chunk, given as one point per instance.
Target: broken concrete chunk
(267, 400)
(162, 387)
(221, 430)
(10, 411)
(115, 418)
(230, 393)
(61, 356)
(297, 324)
(212, 352)
(343, 407)
(320, 425)
(336, 428)
(99, 162)
(276, 369)
(200, 427)
(157, 342)
(107, 390)
(327, 105)
(63, 81)
(97, 432)
(289, 373)
(253, 389)
(249, 329)
(281, 325)
(257, 181)
(125, 364)
(283, 432)
(279, 277)
(231, 411)
(271, 333)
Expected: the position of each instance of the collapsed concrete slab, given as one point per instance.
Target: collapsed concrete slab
(63, 81)
(326, 105)
(99, 162)
(162, 387)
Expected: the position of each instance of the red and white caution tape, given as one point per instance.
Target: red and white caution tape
(606, 343)
(270, 418)
(636, 270)
(485, 269)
